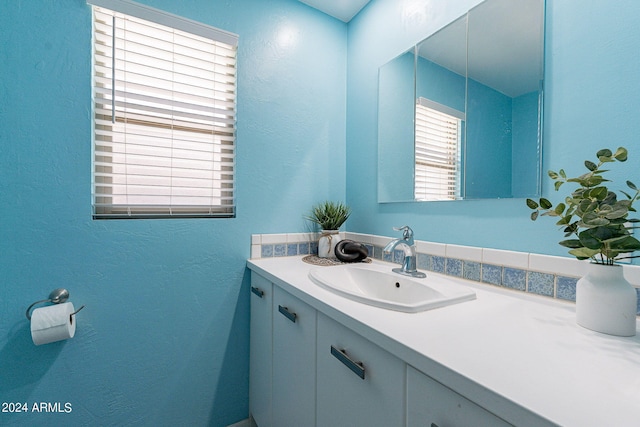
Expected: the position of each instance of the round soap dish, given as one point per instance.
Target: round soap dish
(326, 262)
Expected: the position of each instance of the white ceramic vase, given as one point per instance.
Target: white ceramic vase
(327, 243)
(605, 301)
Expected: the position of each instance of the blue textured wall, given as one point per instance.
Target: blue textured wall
(488, 148)
(163, 339)
(592, 99)
(525, 145)
(396, 89)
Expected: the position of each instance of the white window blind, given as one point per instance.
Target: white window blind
(437, 156)
(164, 116)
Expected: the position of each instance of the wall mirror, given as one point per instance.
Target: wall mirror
(460, 113)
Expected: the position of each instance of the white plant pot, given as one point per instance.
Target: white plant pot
(327, 243)
(605, 301)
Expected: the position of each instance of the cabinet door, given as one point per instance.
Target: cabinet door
(430, 403)
(260, 350)
(294, 367)
(359, 383)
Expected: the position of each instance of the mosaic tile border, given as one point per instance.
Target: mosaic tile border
(545, 275)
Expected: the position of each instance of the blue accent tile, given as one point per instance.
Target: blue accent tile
(566, 288)
(422, 261)
(369, 250)
(279, 249)
(266, 251)
(437, 264)
(303, 248)
(398, 256)
(454, 267)
(540, 283)
(560, 287)
(515, 278)
(471, 270)
(492, 274)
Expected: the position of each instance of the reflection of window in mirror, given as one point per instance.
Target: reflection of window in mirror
(437, 151)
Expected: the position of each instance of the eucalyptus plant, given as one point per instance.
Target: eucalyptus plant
(329, 215)
(596, 224)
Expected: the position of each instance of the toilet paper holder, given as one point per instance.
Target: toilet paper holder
(57, 296)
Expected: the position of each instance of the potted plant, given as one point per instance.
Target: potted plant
(597, 227)
(329, 216)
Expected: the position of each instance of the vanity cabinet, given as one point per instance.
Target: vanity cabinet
(307, 369)
(430, 403)
(358, 383)
(294, 368)
(260, 356)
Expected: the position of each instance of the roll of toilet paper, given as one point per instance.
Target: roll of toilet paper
(53, 323)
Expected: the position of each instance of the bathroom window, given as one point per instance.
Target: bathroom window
(437, 151)
(164, 94)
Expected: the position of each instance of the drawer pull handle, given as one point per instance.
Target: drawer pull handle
(342, 356)
(288, 314)
(257, 291)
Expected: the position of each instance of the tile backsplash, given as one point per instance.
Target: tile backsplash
(546, 275)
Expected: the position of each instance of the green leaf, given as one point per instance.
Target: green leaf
(601, 233)
(621, 154)
(588, 240)
(632, 186)
(571, 243)
(593, 220)
(532, 204)
(604, 155)
(562, 173)
(557, 185)
(552, 174)
(586, 206)
(611, 198)
(560, 208)
(626, 244)
(545, 204)
(593, 181)
(534, 215)
(590, 165)
(583, 253)
(617, 212)
(598, 193)
(565, 220)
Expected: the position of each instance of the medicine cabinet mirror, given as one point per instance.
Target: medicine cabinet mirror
(460, 113)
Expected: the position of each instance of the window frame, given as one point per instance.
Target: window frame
(220, 206)
(446, 157)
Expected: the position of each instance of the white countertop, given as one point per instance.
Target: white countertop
(507, 351)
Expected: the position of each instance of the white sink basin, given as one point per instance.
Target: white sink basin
(377, 285)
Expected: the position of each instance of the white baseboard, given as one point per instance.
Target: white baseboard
(243, 423)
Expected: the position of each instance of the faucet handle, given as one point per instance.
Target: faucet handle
(407, 232)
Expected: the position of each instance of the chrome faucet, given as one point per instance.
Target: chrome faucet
(409, 265)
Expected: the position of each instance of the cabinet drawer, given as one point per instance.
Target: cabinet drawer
(344, 396)
(294, 368)
(430, 403)
(261, 298)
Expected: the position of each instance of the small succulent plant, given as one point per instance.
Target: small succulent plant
(329, 215)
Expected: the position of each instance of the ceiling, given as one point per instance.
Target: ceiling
(344, 10)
